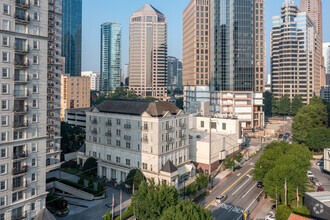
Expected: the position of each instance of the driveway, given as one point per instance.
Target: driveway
(323, 177)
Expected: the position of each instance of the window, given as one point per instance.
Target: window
(34, 147)
(128, 145)
(5, 57)
(34, 118)
(5, 25)
(109, 157)
(214, 125)
(118, 143)
(33, 206)
(5, 72)
(128, 162)
(118, 132)
(2, 169)
(6, 9)
(2, 185)
(33, 163)
(35, 45)
(224, 126)
(35, 59)
(3, 153)
(144, 166)
(5, 41)
(117, 159)
(34, 103)
(33, 192)
(35, 89)
(202, 124)
(4, 120)
(36, 16)
(33, 177)
(118, 121)
(2, 202)
(2, 216)
(18, 135)
(17, 196)
(36, 2)
(4, 88)
(4, 105)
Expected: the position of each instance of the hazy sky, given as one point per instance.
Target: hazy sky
(96, 12)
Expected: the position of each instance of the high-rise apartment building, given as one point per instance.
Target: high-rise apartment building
(71, 35)
(196, 42)
(296, 68)
(55, 68)
(174, 73)
(326, 55)
(223, 48)
(75, 93)
(23, 68)
(94, 78)
(110, 56)
(125, 73)
(148, 52)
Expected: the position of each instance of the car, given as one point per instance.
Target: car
(320, 188)
(317, 182)
(221, 198)
(259, 184)
(310, 175)
(287, 134)
(280, 136)
(285, 137)
(320, 163)
(270, 216)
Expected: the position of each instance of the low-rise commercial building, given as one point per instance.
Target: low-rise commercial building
(325, 93)
(76, 117)
(326, 158)
(152, 136)
(318, 204)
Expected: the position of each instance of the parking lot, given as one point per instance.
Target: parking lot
(323, 177)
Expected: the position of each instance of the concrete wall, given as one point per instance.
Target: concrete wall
(76, 192)
(327, 159)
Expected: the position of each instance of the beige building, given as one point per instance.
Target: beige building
(152, 136)
(296, 68)
(23, 107)
(196, 44)
(75, 93)
(148, 52)
(55, 69)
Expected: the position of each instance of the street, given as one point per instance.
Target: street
(242, 192)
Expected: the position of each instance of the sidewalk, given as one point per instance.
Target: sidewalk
(262, 209)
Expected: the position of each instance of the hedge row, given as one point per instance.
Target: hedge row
(127, 214)
(56, 202)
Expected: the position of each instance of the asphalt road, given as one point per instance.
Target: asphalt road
(242, 192)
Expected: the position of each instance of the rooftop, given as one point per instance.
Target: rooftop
(148, 8)
(323, 197)
(137, 107)
(169, 167)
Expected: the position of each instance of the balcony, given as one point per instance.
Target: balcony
(51, 16)
(182, 125)
(169, 140)
(21, 78)
(145, 140)
(51, 23)
(168, 128)
(127, 126)
(25, 4)
(94, 121)
(21, 94)
(23, 19)
(51, 32)
(127, 137)
(108, 134)
(18, 171)
(182, 136)
(108, 123)
(20, 64)
(20, 155)
(20, 216)
(50, 76)
(21, 48)
(21, 109)
(19, 186)
(51, 2)
(94, 132)
(21, 124)
(145, 128)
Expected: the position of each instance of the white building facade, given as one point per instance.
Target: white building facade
(23, 110)
(95, 79)
(123, 135)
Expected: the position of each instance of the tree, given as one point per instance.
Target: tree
(73, 137)
(284, 105)
(107, 215)
(327, 104)
(297, 103)
(101, 98)
(268, 103)
(275, 105)
(187, 209)
(229, 163)
(151, 200)
(136, 177)
(308, 117)
(150, 98)
(318, 139)
(119, 93)
(283, 212)
(191, 189)
(202, 181)
(90, 166)
(131, 95)
(238, 157)
(127, 81)
(179, 103)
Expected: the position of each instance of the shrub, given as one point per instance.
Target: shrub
(127, 214)
(100, 187)
(56, 202)
(90, 166)
(81, 181)
(69, 164)
(51, 179)
(91, 184)
(135, 177)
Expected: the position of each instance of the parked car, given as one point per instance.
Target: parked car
(320, 188)
(270, 216)
(287, 134)
(259, 184)
(221, 198)
(280, 136)
(317, 182)
(285, 137)
(310, 175)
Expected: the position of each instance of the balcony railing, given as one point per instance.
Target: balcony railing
(19, 186)
(145, 128)
(21, 109)
(22, 18)
(94, 122)
(169, 140)
(127, 137)
(168, 128)
(108, 134)
(20, 64)
(21, 93)
(182, 125)
(18, 170)
(182, 136)
(20, 155)
(21, 78)
(21, 216)
(108, 123)
(127, 126)
(22, 3)
(145, 140)
(21, 48)
(94, 132)
(21, 124)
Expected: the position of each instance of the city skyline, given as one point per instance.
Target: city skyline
(120, 14)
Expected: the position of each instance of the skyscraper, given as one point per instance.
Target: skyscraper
(23, 109)
(314, 9)
(110, 56)
(296, 68)
(55, 68)
(174, 73)
(71, 35)
(148, 52)
(326, 54)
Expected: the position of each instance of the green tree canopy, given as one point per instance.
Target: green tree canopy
(136, 177)
(308, 117)
(107, 216)
(90, 166)
(151, 200)
(275, 105)
(268, 103)
(73, 137)
(284, 105)
(297, 103)
(179, 103)
(229, 163)
(202, 181)
(318, 139)
(187, 210)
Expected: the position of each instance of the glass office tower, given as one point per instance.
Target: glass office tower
(71, 36)
(233, 45)
(110, 56)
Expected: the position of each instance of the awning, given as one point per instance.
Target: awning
(186, 169)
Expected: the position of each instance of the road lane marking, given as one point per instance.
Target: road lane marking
(248, 191)
(230, 186)
(241, 186)
(253, 201)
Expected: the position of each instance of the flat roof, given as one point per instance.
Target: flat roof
(323, 197)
